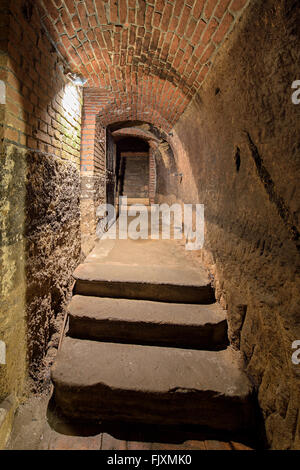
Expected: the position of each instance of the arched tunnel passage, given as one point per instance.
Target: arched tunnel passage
(151, 173)
(163, 171)
(196, 80)
(132, 169)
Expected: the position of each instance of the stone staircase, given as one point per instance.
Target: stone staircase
(136, 177)
(149, 344)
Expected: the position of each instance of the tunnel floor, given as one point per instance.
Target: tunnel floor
(39, 423)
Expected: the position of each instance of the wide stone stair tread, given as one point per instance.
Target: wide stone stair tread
(96, 380)
(110, 381)
(160, 283)
(147, 322)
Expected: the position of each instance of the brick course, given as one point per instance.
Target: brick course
(153, 46)
(43, 110)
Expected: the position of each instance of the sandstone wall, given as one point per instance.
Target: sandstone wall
(237, 146)
(40, 190)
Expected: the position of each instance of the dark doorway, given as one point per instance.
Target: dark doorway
(133, 168)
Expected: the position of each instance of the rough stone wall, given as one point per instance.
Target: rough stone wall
(237, 146)
(12, 326)
(40, 221)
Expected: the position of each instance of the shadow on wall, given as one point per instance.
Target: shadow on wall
(40, 191)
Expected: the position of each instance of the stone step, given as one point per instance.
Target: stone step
(110, 381)
(146, 322)
(166, 284)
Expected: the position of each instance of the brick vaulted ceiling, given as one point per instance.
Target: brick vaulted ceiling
(142, 59)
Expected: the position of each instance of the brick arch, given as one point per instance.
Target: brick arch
(135, 132)
(148, 55)
(153, 142)
(155, 101)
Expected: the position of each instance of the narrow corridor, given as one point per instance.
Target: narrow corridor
(145, 292)
(189, 338)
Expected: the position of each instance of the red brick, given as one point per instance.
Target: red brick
(184, 19)
(11, 134)
(178, 7)
(81, 35)
(93, 21)
(199, 30)
(221, 8)
(100, 11)
(238, 5)
(174, 45)
(190, 3)
(52, 10)
(178, 58)
(148, 18)
(14, 96)
(159, 5)
(183, 43)
(156, 19)
(90, 7)
(114, 18)
(22, 139)
(123, 11)
(131, 15)
(74, 57)
(70, 4)
(83, 15)
(198, 8)
(60, 27)
(155, 39)
(223, 28)
(141, 12)
(141, 32)
(173, 24)
(210, 29)
(89, 51)
(106, 57)
(132, 35)
(191, 28)
(76, 22)
(204, 71)
(207, 54)
(167, 15)
(31, 143)
(131, 81)
(209, 8)
(199, 51)
(108, 41)
(66, 42)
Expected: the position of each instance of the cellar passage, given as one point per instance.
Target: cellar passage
(178, 101)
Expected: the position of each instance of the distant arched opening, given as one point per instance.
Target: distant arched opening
(132, 169)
